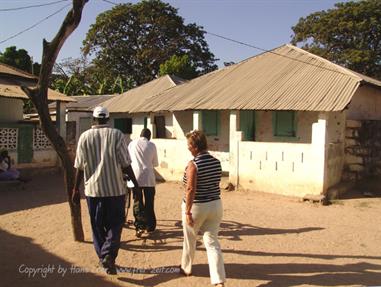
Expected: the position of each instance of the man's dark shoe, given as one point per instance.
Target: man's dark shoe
(109, 265)
(139, 233)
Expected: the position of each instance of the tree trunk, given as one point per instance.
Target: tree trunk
(38, 95)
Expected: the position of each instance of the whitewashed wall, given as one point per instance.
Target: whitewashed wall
(173, 157)
(283, 168)
(264, 127)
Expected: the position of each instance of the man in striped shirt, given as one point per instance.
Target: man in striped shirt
(101, 159)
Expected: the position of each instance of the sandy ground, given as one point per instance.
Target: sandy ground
(267, 240)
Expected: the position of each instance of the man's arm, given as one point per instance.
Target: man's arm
(130, 173)
(76, 196)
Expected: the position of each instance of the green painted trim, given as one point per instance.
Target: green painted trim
(295, 126)
(216, 125)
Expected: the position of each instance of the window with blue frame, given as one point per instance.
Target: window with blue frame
(211, 122)
(284, 124)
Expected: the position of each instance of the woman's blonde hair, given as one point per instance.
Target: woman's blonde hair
(197, 139)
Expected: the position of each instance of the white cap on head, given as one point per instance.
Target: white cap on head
(101, 113)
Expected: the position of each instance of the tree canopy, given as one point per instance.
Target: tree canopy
(19, 58)
(349, 35)
(179, 66)
(132, 40)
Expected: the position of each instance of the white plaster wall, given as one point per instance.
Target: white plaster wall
(11, 110)
(173, 157)
(41, 158)
(264, 127)
(283, 168)
(365, 104)
(218, 146)
(182, 123)
(75, 116)
(46, 157)
(137, 124)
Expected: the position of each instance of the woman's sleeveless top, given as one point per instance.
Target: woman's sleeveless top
(208, 178)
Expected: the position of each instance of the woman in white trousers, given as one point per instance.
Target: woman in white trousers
(202, 208)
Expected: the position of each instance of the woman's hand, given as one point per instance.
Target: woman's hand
(190, 221)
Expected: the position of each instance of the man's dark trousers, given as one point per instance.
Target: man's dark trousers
(107, 216)
(144, 211)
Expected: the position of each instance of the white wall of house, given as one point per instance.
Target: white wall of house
(83, 121)
(264, 127)
(173, 157)
(308, 164)
(283, 168)
(137, 125)
(11, 110)
(182, 123)
(365, 104)
(46, 157)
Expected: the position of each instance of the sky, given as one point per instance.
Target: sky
(262, 23)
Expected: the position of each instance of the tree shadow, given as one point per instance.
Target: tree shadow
(285, 274)
(20, 255)
(170, 231)
(42, 190)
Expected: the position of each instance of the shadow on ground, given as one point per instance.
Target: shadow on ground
(20, 255)
(170, 231)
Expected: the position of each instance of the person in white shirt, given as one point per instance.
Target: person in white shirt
(143, 160)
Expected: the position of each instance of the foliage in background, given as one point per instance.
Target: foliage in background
(180, 66)
(19, 58)
(78, 77)
(131, 41)
(349, 35)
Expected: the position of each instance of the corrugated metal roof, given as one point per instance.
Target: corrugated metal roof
(9, 70)
(12, 79)
(12, 89)
(286, 78)
(127, 101)
(87, 102)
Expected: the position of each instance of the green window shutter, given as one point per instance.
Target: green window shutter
(284, 124)
(211, 122)
(25, 144)
(124, 125)
(145, 122)
(247, 125)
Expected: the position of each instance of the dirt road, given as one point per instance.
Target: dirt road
(267, 240)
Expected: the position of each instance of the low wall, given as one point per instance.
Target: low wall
(282, 168)
(173, 155)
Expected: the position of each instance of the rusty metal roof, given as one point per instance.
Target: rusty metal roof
(286, 78)
(127, 101)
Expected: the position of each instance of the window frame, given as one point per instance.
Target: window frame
(206, 115)
(293, 125)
